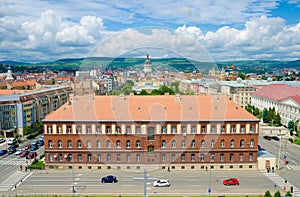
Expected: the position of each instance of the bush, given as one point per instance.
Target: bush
(39, 165)
(291, 140)
(277, 194)
(33, 135)
(42, 155)
(267, 194)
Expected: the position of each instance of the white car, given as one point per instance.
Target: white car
(11, 141)
(19, 151)
(161, 183)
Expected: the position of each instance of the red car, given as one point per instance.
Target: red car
(231, 181)
(266, 137)
(24, 153)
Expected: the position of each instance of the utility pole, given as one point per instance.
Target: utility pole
(279, 154)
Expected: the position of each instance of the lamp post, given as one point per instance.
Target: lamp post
(209, 177)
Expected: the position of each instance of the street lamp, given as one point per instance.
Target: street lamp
(209, 178)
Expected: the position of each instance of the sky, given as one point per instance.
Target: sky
(206, 30)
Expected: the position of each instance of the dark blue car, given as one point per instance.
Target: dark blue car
(3, 152)
(109, 179)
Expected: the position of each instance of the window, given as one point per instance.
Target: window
(183, 130)
(60, 157)
(150, 133)
(251, 143)
(163, 130)
(49, 129)
(98, 130)
(108, 144)
(50, 157)
(242, 143)
(138, 144)
(118, 159)
(59, 130)
(252, 129)
(202, 143)
(212, 143)
(251, 157)
(163, 157)
(193, 144)
(241, 157)
(138, 158)
(99, 157)
(202, 157)
(174, 130)
(79, 145)
(213, 129)
(192, 157)
(243, 129)
(128, 144)
(108, 158)
(183, 157)
(151, 150)
(118, 130)
(233, 129)
(98, 144)
(193, 129)
(69, 143)
(78, 130)
(69, 130)
(89, 157)
(59, 144)
(107, 129)
(88, 130)
(232, 144)
(128, 130)
(173, 158)
(183, 144)
(79, 157)
(231, 157)
(221, 157)
(163, 144)
(118, 143)
(138, 130)
(50, 144)
(212, 157)
(203, 129)
(173, 144)
(222, 143)
(223, 129)
(89, 144)
(128, 157)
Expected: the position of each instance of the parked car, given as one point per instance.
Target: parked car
(11, 150)
(261, 148)
(19, 151)
(11, 141)
(13, 146)
(24, 153)
(266, 137)
(41, 143)
(109, 179)
(161, 183)
(34, 143)
(3, 152)
(2, 140)
(27, 147)
(276, 138)
(34, 147)
(31, 155)
(231, 181)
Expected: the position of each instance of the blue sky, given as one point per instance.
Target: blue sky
(208, 30)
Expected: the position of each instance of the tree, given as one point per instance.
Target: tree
(277, 194)
(256, 112)
(144, 92)
(267, 194)
(242, 76)
(288, 193)
(265, 115)
(26, 130)
(291, 125)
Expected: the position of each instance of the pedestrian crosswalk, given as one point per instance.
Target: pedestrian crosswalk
(293, 167)
(13, 162)
(282, 184)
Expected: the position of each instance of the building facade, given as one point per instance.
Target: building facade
(180, 132)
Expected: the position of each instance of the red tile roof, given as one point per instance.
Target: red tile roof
(151, 108)
(296, 98)
(277, 92)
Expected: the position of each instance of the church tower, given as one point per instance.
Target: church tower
(9, 76)
(147, 65)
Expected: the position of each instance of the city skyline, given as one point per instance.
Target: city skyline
(41, 31)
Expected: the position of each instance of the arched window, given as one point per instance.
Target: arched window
(231, 143)
(222, 143)
(151, 150)
(212, 143)
(69, 143)
(118, 143)
(128, 144)
(79, 145)
(98, 144)
(242, 143)
(251, 143)
(59, 142)
(183, 144)
(163, 143)
(50, 144)
(173, 144)
(193, 144)
(138, 144)
(202, 143)
(108, 144)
